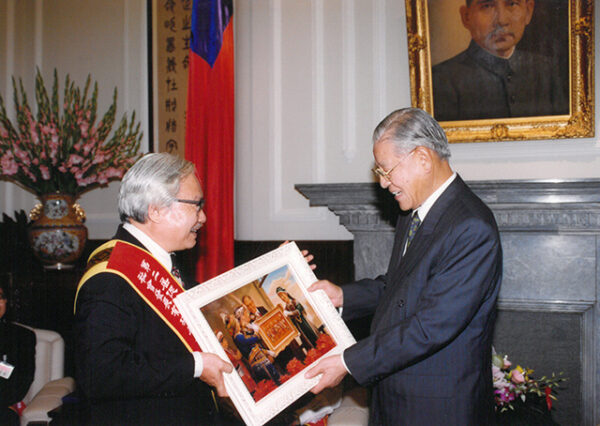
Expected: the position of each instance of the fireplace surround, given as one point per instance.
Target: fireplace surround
(549, 314)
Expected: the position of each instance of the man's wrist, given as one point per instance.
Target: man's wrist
(198, 364)
(344, 362)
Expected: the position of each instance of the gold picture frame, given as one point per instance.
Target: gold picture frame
(578, 123)
(276, 330)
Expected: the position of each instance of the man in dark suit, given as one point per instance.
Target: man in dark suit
(17, 363)
(428, 355)
(131, 365)
(255, 311)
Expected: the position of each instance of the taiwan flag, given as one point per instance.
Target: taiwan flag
(209, 130)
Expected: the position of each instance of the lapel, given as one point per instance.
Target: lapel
(399, 239)
(425, 235)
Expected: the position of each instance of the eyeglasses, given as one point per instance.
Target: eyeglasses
(380, 173)
(199, 204)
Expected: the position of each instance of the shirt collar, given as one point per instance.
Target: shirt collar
(424, 208)
(157, 251)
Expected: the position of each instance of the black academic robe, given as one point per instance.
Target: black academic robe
(130, 367)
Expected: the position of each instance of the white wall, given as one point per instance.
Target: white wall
(313, 78)
(106, 39)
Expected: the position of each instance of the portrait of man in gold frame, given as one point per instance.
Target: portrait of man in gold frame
(575, 51)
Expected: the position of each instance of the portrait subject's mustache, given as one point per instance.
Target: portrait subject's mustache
(500, 32)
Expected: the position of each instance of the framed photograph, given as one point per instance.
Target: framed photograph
(261, 317)
(529, 77)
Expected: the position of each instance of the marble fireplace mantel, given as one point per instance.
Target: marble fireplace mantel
(550, 233)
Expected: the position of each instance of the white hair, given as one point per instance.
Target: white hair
(153, 180)
(413, 127)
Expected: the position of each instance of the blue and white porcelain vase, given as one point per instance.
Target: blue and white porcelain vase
(57, 234)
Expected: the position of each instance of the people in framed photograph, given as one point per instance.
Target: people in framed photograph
(235, 356)
(260, 359)
(501, 73)
(255, 311)
(295, 311)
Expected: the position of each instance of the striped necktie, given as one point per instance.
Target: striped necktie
(412, 229)
(175, 270)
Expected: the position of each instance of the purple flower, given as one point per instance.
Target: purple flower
(505, 395)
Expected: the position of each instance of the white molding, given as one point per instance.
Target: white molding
(10, 46)
(126, 55)
(9, 189)
(9, 197)
(135, 74)
(143, 75)
(379, 60)
(154, 129)
(100, 218)
(524, 150)
(279, 213)
(38, 39)
(349, 80)
(318, 90)
(275, 199)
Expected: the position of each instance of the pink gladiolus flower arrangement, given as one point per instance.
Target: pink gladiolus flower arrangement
(514, 387)
(64, 149)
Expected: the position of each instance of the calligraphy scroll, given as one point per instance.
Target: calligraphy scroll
(170, 57)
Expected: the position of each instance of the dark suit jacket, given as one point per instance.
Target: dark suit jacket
(428, 356)
(130, 366)
(18, 344)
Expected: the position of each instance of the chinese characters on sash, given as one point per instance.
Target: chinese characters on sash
(154, 284)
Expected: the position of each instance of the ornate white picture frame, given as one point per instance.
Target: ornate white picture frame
(220, 320)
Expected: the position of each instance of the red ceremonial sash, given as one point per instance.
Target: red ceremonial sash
(148, 277)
